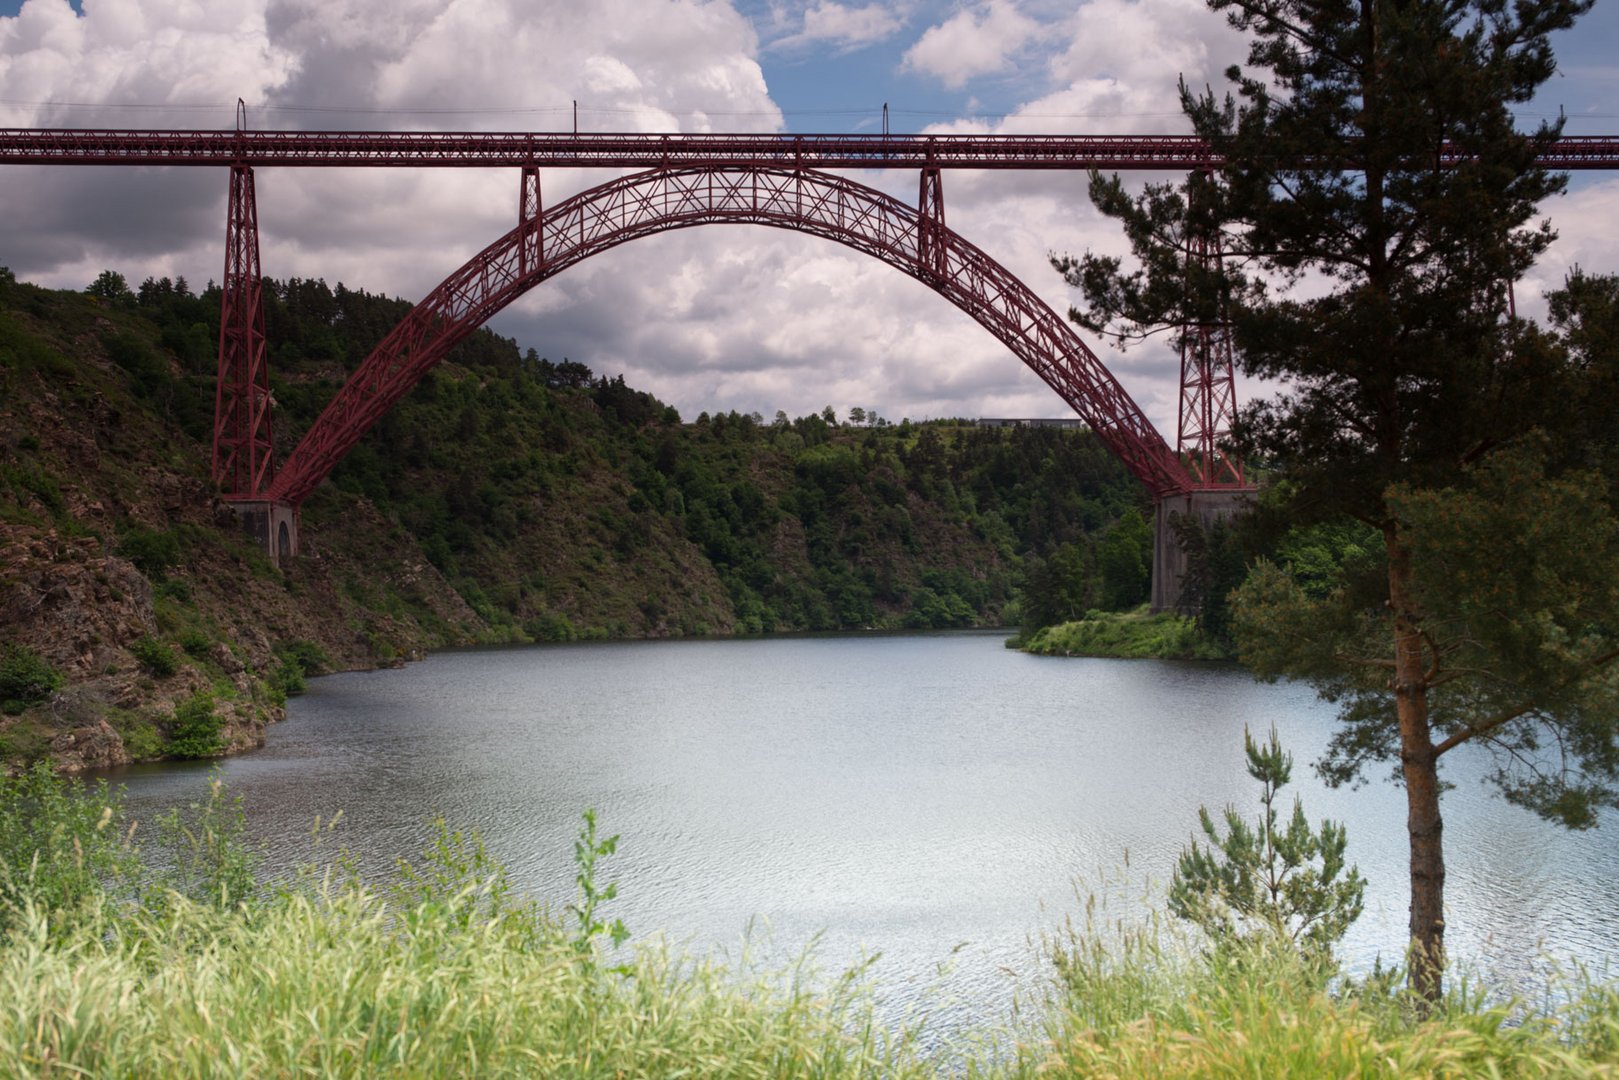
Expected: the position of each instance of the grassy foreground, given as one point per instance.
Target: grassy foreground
(184, 973)
(1125, 635)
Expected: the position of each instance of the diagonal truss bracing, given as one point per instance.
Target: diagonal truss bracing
(832, 207)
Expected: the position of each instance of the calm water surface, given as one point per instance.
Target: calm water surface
(935, 798)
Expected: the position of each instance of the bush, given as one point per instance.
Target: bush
(299, 659)
(154, 657)
(175, 589)
(25, 678)
(195, 732)
(1127, 635)
(195, 643)
(142, 740)
(287, 680)
(308, 656)
(550, 626)
(153, 551)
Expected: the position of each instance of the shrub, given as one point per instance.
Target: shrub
(25, 678)
(287, 680)
(299, 660)
(154, 657)
(195, 732)
(175, 589)
(142, 740)
(309, 657)
(153, 551)
(550, 626)
(195, 642)
(24, 480)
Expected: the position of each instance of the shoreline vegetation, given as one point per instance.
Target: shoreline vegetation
(173, 961)
(1124, 635)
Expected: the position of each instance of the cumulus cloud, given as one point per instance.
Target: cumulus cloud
(975, 41)
(843, 27)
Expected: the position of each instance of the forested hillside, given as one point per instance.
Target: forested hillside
(507, 498)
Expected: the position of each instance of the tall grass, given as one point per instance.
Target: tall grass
(449, 972)
(339, 982)
(1156, 1001)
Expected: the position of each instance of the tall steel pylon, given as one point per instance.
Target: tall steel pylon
(244, 458)
(1208, 388)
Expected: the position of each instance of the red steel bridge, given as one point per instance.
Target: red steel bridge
(681, 181)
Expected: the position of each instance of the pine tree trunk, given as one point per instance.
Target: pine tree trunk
(1419, 765)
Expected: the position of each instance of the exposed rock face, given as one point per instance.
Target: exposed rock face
(219, 614)
(95, 746)
(85, 474)
(71, 604)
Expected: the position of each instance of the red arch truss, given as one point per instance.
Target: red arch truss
(804, 201)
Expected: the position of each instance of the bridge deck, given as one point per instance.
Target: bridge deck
(83, 146)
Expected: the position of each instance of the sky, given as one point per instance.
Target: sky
(718, 318)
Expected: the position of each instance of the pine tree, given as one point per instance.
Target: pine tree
(1284, 881)
(1374, 203)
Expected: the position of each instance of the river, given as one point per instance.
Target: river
(935, 798)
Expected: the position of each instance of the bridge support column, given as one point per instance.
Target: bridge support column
(1168, 559)
(273, 525)
(244, 459)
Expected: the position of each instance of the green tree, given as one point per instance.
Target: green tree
(1375, 199)
(1289, 881)
(1585, 317)
(1125, 559)
(1058, 588)
(110, 285)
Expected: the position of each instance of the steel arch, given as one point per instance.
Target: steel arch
(643, 204)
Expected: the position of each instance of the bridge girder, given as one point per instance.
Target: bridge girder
(516, 149)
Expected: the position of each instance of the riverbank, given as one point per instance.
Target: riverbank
(1125, 635)
(195, 971)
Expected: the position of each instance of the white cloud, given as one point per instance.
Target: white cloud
(843, 27)
(973, 42)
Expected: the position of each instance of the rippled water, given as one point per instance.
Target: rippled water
(930, 797)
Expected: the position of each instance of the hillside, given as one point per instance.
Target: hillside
(506, 499)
